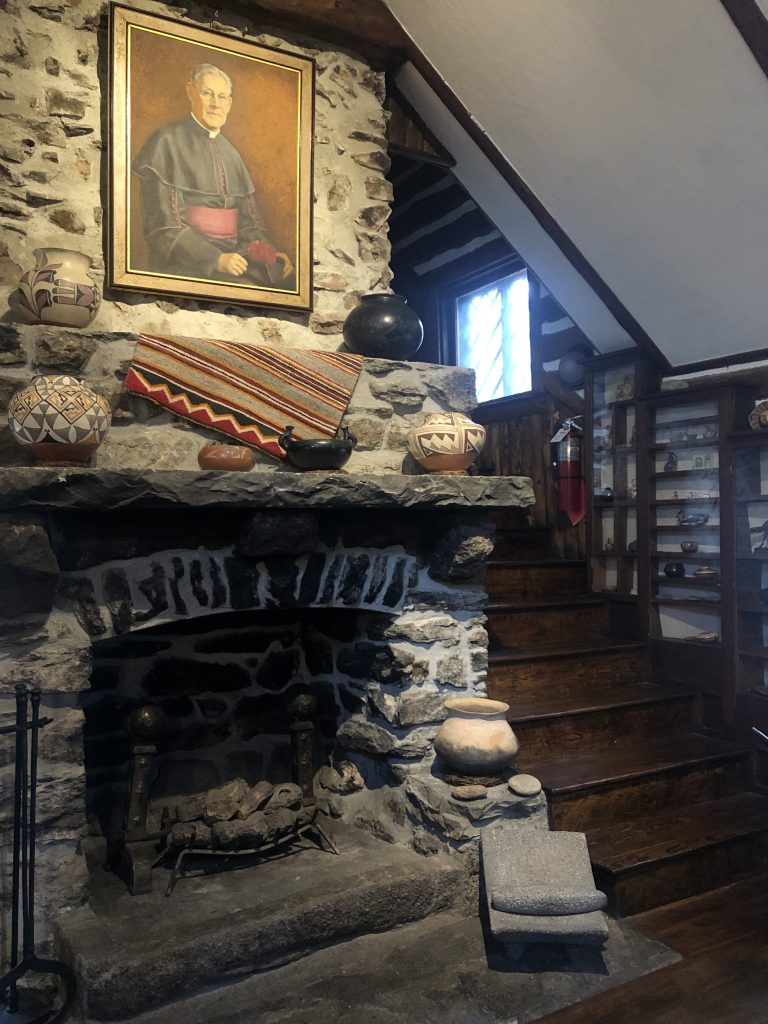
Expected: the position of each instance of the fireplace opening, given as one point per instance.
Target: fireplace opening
(220, 718)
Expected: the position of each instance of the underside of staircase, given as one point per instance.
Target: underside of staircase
(667, 809)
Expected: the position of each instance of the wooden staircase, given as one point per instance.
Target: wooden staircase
(668, 811)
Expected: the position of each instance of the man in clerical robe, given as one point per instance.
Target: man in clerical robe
(201, 218)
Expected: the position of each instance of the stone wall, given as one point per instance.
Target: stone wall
(390, 396)
(53, 171)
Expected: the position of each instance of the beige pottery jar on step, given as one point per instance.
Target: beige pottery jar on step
(476, 738)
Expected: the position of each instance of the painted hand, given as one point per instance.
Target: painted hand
(287, 265)
(232, 263)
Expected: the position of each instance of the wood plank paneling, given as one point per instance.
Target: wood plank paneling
(365, 26)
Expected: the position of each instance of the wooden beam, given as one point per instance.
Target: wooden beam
(749, 19)
(545, 219)
(757, 355)
(562, 394)
(364, 26)
(464, 229)
(427, 176)
(498, 250)
(407, 130)
(426, 211)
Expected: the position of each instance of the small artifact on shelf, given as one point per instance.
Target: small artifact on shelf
(706, 572)
(626, 389)
(317, 453)
(689, 546)
(60, 419)
(383, 326)
(226, 456)
(607, 494)
(674, 569)
(758, 418)
(704, 638)
(632, 546)
(58, 290)
(446, 442)
(692, 519)
(671, 464)
(763, 531)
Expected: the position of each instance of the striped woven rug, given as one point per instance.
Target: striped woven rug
(249, 392)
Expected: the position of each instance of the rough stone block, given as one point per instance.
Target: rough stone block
(425, 628)
(63, 104)
(284, 533)
(460, 551)
(63, 350)
(29, 567)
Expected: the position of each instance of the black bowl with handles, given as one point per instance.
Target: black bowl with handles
(319, 453)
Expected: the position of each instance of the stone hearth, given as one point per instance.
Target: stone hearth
(125, 587)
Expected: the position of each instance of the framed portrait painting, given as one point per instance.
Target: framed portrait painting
(211, 164)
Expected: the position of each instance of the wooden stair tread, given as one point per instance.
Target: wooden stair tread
(581, 771)
(630, 844)
(536, 563)
(555, 705)
(542, 603)
(563, 649)
(523, 528)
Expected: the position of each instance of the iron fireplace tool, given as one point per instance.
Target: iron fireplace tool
(27, 731)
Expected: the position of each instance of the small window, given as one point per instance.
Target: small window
(493, 336)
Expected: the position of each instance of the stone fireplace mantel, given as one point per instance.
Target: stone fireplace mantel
(54, 489)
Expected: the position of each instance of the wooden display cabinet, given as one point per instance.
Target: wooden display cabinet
(690, 565)
(615, 479)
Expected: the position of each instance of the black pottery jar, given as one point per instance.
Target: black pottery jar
(384, 327)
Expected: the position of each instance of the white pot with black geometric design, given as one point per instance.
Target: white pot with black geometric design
(446, 442)
(59, 419)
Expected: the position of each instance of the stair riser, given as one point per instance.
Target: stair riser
(522, 545)
(616, 801)
(550, 737)
(576, 674)
(657, 883)
(528, 583)
(510, 628)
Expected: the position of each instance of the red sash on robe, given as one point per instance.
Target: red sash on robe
(217, 223)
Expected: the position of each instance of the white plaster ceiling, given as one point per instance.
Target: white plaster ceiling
(642, 126)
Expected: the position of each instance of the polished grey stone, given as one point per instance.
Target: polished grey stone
(32, 487)
(133, 953)
(442, 970)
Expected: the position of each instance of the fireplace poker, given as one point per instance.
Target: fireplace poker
(27, 730)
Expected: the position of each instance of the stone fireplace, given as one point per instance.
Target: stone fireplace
(219, 596)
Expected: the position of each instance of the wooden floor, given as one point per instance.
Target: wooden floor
(722, 978)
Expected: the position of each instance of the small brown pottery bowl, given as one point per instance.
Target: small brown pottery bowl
(689, 546)
(226, 456)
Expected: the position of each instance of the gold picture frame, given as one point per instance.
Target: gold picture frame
(210, 164)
